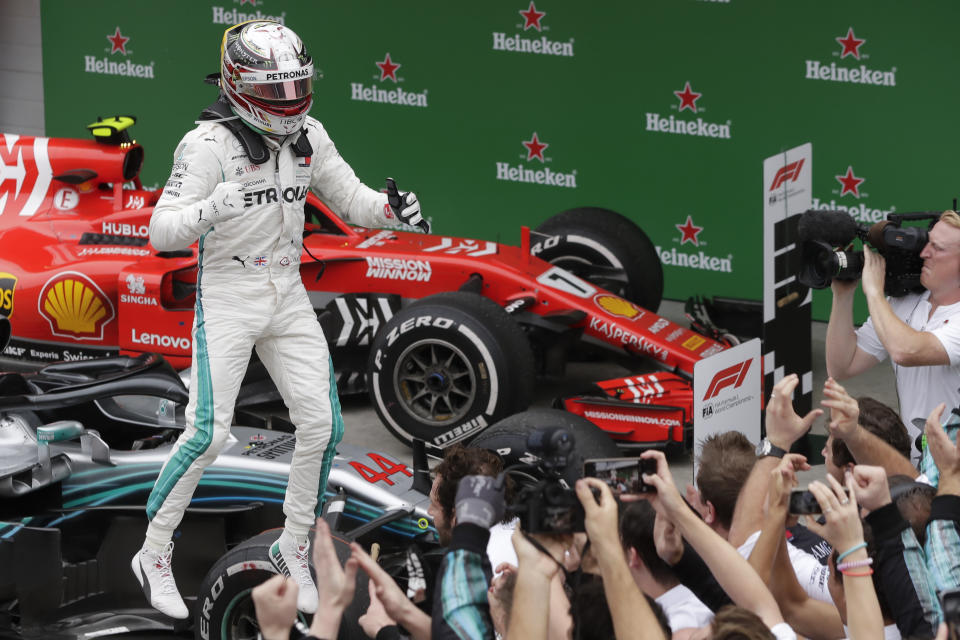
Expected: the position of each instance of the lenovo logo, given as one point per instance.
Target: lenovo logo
(729, 377)
(787, 173)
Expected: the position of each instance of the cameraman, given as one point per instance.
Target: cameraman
(915, 330)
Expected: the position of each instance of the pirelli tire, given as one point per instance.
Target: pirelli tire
(606, 249)
(509, 438)
(224, 608)
(448, 366)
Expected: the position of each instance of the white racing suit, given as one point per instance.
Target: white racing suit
(249, 293)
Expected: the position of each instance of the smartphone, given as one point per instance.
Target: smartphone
(622, 475)
(802, 502)
(950, 603)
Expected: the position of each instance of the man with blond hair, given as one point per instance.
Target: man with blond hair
(919, 331)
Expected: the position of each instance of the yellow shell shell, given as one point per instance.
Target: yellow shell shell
(74, 307)
(617, 306)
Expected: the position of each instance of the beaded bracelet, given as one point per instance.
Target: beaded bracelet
(853, 564)
(855, 547)
(868, 572)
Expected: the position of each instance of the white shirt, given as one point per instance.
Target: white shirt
(683, 609)
(890, 632)
(500, 546)
(811, 574)
(920, 389)
(783, 631)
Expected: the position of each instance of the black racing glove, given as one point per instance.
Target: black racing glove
(406, 207)
(479, 501)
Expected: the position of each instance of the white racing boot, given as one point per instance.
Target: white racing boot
(153, 572)
(293, 560)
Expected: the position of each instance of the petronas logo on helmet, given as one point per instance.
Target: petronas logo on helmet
(290, 75)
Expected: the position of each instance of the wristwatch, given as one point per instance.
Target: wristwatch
(767, 448)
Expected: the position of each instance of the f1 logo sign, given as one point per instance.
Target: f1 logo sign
(787, 173)
(729, 377)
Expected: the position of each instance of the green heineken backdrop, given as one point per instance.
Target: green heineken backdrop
(502, 112)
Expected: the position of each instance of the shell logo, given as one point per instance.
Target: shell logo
(75, 306)
(618, 306)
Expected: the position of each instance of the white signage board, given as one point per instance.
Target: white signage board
(727, 395)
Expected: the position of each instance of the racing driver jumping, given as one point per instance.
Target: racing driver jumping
(238, 184)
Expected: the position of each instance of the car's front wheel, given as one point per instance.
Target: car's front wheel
(447, 366)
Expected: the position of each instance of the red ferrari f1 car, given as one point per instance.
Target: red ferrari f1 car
(446, 334)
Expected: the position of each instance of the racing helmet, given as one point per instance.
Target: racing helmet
(267, 75)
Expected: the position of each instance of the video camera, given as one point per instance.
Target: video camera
(549, 505)
(826, 237)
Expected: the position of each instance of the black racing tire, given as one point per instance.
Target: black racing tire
(447, 366)
(509, 438)
(606, 249)
(224, 608)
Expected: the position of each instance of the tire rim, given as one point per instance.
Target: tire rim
(240, 619)
(434, 382)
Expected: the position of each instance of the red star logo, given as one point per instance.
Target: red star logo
(851, 45)
(388, 69)
(532, 17)
(850, 182)
(118, 42)
(535, 148)
(688, 98)
(690, 232)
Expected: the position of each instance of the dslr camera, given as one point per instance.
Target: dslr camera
(549, 505)
(827, 254)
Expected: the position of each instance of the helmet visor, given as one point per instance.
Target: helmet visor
(287, 90)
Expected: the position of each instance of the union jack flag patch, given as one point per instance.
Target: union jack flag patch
(260, 261)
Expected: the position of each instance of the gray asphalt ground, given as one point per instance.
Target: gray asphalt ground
(363, 427)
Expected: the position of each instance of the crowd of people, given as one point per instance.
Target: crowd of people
(866, 555)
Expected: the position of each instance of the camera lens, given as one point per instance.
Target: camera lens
(844, 265)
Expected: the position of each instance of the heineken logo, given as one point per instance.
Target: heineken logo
(696, 260)
(860, 211)
(388, 68)
(532, 20)
(856, 74)
(689, 232)
(535, 148)
(223, 15)
(532, 17)
(688, 98)
(535, 174)
(850, 183)
(850, 45)
(118, 42)
(688, 101)
(693, 257)
(387, 71)
(108, 64)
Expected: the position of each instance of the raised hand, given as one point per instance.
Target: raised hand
(406, 207)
